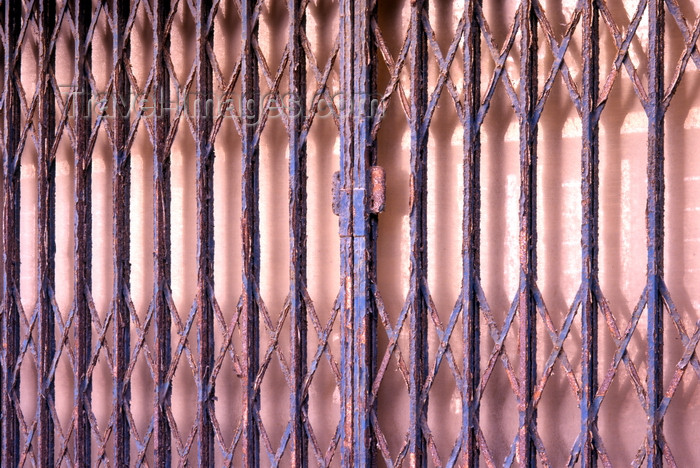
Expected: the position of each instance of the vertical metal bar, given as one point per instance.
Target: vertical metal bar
(250, 234)
(297, 229)
(46, 233)
(526, 452)
(357, 229)
(205, 232)
(83, 232)
(11, 211)
(655, 231)
(6, 143)
(161, 233)
(470, 235)
(347, 451)
(589, 230)
(363, 227)
(419, 234)
(121, 187)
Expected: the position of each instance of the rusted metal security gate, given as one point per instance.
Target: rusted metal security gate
(249, 336)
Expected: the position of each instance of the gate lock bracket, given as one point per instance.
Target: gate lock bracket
(377, 190)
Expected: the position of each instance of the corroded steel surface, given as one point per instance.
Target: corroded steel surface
(164, 338)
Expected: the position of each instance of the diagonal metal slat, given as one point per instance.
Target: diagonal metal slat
(48, 115)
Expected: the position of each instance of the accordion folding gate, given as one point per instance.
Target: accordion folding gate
(467, 343)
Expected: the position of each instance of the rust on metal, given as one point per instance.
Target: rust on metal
(370, 336)
(378, 192)
(160, 304)
(121, 191)
(526, 453)
(335, 193)
(82, 256)
(250, 235)
(298, 306)
(470, 303)
(417, 301)
(205, 234)
(11, 305)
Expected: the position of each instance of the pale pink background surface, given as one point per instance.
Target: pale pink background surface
(622, 419)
